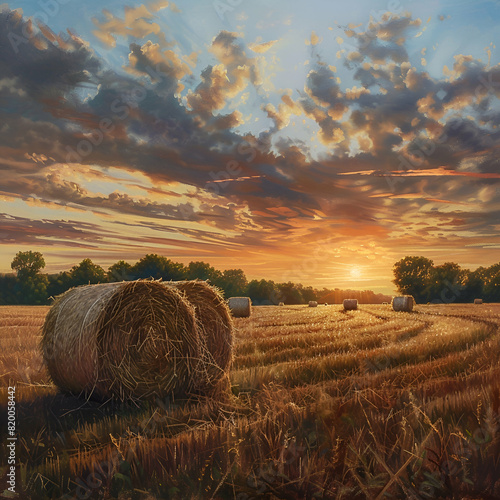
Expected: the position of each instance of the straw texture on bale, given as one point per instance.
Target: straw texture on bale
(478, 301)
(313, 303)
(350, 304)
(403, 303)
(215, 325)
(122, 340)
(240, 307)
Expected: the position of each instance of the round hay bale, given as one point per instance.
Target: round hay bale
(281, 304)
(313, 303)
(215, 324)
(326, 303)
(127, 340)
(403, 303)
(385, 303)
(240, 307)
(478, 301)
(350, 304)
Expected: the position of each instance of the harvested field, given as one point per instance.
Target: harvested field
(326, 403)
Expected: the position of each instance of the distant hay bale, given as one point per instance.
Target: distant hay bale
(123, 340)
(240, 307)
(215, 324)
(350, 304)
(385, 303)
(313, 303)
(403, 303)
(478, 301)
(326, 303)
(281, 304)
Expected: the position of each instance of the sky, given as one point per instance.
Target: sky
(317, 142)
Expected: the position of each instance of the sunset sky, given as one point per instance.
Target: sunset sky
(352, 134)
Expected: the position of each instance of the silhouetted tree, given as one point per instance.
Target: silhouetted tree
(474, 284)
(492, 283)
(59, 283)
(27, 263)
(233, 282)
(156, 267)
(30, 286)
(87, 273)
(203, 271)
(263, 292)
(308, 293)
(290, 293)
(8, 292)
(120, 271)
(411, 277)
(446, 283)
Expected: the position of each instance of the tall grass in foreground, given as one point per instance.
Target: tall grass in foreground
(326, 404)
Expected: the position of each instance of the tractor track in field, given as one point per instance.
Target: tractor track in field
(493, 327)
(491, 324)
(426, 323)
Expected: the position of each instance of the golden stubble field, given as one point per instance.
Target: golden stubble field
(325, 404)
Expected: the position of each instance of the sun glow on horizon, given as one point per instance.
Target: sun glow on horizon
(355, 273)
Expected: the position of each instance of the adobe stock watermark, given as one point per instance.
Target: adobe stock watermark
(102, 473)
(450, 293)
(11, 439)
(394, 7)
(222, 7)
(48, 9)
(120, 109)
(221, 179)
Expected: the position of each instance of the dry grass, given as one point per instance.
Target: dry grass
(327, 403)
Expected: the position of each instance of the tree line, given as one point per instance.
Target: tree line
(29, 285)
(446, 283)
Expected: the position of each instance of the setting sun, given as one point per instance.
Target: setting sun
(355, 273)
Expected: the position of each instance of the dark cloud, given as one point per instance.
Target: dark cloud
(44, 66)
(46, 232)
(383, 40)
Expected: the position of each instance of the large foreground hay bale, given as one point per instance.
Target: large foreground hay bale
(240, 307)
(215, 324)
(123, 340)
(313, 303)
(403, 303)
(478, 301)
(350, 304)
